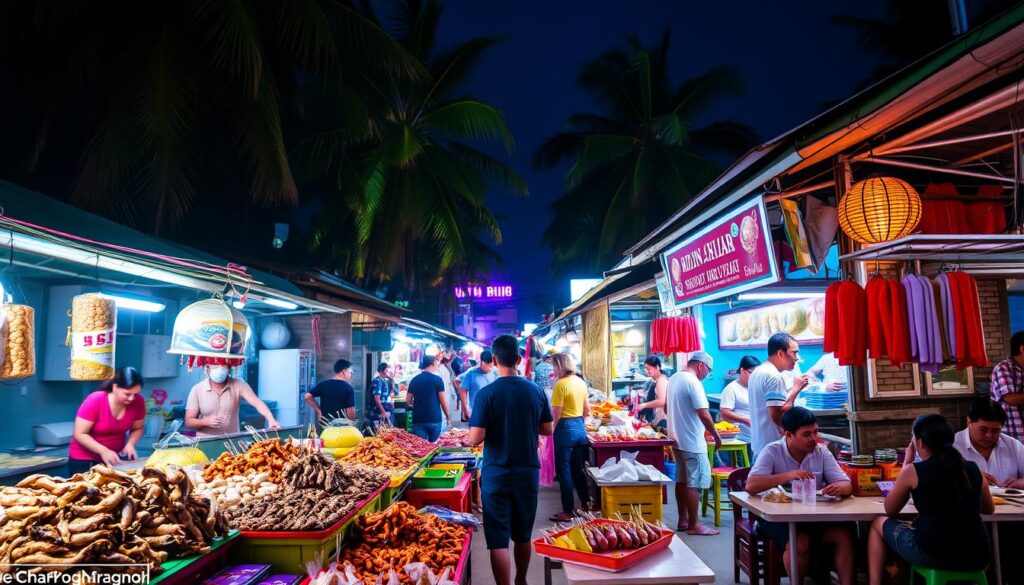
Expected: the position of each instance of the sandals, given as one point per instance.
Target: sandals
(562, 517)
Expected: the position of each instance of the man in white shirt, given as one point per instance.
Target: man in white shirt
(688, 418)
(999, 457)
(769, 396)
(798, 455)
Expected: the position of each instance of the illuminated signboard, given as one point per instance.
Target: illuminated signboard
(483, 292)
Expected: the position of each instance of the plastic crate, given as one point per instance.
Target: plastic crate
(444, 476)
(626, 499)
(288, 552)
(456, 499)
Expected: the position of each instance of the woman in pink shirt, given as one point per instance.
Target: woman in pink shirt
(104, 419)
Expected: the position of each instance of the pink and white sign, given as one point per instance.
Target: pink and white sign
(732, 255)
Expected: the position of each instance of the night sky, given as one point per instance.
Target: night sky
(794, 59)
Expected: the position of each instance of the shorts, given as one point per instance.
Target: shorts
(902, 539)
(510, 504)
(698, 468)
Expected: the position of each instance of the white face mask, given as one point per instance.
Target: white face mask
(218, 374)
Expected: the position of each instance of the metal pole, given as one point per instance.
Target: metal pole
(921, 167)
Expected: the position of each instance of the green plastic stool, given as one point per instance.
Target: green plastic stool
(940, 577)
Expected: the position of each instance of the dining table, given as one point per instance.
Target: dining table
(858, 509)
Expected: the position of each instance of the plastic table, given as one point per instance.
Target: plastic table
(677, 564)
(854, 509)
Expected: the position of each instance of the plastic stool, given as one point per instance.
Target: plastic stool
(940, 577)
(736, 448)
(719, 478)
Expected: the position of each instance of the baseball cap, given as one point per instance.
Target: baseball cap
(704, 358)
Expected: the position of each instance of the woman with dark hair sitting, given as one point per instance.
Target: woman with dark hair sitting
(950, 495)
(104, 420)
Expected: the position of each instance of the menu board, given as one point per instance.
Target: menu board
(751, 327)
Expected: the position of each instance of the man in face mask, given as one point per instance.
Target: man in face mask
(212, 407)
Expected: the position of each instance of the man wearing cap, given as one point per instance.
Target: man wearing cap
(427, 398)
(688, 419)
(473, 380)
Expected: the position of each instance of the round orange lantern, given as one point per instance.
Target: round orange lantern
(879, 210)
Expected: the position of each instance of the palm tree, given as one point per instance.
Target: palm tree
(140, 104)
(640, 159)
(409, 183)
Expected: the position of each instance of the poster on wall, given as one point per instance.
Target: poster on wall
(795, 233)
(732, 255)
(664, 292)
(750, 327)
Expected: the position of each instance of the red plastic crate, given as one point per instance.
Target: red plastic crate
(455, 499)
(614, 561)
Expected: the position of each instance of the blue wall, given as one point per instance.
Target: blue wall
(1016, 313)
(726, 360)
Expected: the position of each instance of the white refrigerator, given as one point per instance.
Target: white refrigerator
(285, 377)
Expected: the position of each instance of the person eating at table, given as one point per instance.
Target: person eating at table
(950, 495)
(798, 455)
(999, 457)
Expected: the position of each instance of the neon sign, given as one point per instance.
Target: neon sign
(485, 292)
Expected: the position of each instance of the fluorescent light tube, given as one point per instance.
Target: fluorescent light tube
(774, 296)
(136, 304)
(279, 303)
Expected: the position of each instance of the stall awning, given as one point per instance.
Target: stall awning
(993, 50)
(996, 256)
(37, 226)
(641, 276)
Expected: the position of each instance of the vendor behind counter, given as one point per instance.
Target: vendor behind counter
(109, 423)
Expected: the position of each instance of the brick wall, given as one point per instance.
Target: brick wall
(886, 422)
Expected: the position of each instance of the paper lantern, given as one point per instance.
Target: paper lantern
(879, 209)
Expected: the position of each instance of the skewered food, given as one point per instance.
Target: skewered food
(269, 456)
(407, 441)
(380, 454)
(398, 536)
(316, 493)
(455, 437)
(105, 516)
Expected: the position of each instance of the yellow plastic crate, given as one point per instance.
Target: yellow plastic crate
(289, 555)
(626, 499)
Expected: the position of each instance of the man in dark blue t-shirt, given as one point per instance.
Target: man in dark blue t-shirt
(427, 398)
(337, 397)
(508, 415)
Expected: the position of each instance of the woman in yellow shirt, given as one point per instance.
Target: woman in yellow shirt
(568, 406)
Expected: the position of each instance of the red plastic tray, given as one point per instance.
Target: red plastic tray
(613, 561)
(319, 533)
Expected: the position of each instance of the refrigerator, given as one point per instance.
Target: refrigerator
(285, 377)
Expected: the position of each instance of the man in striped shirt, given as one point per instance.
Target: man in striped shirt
(1008, 387)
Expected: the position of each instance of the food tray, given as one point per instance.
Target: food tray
(613, 561)
(194, 568)
(363, 507)
(629, 444)
(397, 480)
(431, 478)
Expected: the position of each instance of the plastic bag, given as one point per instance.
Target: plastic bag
(176, 449)
(460, 518)
(422, 575)
(546, 451)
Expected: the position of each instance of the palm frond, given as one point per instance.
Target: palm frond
(491, 167)
(558, 149)
(469, 119)
(599, 150)
(697, 94)
(258, 133)
(734, 138)
(233, 42)
(453, 69)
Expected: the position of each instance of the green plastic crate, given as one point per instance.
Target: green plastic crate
(431, 478)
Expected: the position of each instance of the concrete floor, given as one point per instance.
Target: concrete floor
(715, 551)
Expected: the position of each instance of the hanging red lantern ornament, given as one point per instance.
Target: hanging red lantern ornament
(879, 209)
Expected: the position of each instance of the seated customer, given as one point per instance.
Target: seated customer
(999, 457)
(950, 495)
(798, 455)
